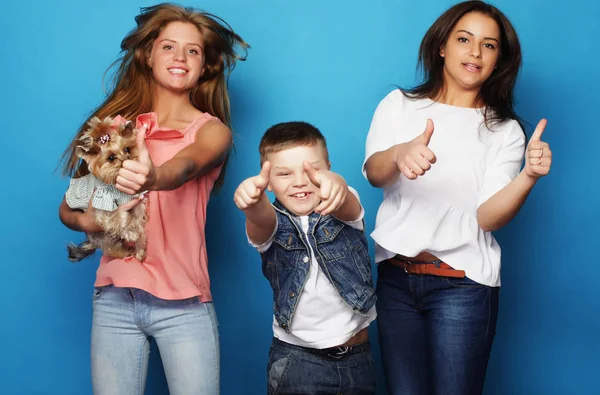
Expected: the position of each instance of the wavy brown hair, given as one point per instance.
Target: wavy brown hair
(132, 83)
(497, 92)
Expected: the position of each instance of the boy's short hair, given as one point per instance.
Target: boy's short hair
(290, 134)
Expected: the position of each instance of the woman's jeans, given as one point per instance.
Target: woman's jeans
(435, 333)
(185, 331)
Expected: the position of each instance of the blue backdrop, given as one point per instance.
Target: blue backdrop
(328, 63)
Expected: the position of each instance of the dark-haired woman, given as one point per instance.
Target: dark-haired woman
(448, 154)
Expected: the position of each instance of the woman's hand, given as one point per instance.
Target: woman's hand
(538, 157)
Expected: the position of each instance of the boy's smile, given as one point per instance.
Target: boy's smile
(288, 179)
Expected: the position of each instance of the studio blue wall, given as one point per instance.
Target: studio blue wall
(328, 63)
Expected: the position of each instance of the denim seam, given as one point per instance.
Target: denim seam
(351, 379)
(140, 384)
(339, 391)
(290, 359)
(215, 326)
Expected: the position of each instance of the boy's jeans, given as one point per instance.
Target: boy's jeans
(305, 371)
(185, 332)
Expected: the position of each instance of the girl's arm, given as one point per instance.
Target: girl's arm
(210, 148)
(85, 221)
(81, 221)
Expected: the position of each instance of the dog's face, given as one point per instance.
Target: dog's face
(104, 146)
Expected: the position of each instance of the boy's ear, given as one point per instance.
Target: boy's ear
(328, 165)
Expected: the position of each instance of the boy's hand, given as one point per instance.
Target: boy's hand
(332, 188)
(252, 189)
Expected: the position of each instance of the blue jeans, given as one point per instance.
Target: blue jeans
(185, 331)
(295, 370)
(435, 332)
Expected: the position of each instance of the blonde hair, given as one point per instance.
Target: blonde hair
(132, 84)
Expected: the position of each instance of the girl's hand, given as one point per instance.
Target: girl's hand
(137, 175)
(87, 219)
(415, 158)
(538, 157)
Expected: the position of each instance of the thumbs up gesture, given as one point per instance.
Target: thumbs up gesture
(538, 157)
(251, 190)
(332, 188)
(137, 175)
(415, 158)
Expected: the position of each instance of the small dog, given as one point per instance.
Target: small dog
(104, 146)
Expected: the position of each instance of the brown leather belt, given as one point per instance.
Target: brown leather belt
(431, 268)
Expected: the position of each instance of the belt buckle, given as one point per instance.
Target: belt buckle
(340, 353)
(405, 265)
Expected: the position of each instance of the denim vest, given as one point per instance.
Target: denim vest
(340, 250)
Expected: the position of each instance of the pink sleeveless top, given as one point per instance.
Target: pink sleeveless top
(176, 264)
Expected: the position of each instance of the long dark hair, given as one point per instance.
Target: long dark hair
(497, 91)
(131, 91)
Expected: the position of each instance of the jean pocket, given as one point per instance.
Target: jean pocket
(279, 362)
(464, 282)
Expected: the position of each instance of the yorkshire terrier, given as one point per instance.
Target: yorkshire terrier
(104, 146)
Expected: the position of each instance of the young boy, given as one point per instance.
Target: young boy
(314, 253)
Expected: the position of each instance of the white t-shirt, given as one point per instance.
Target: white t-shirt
(437, 212)
(322, 318)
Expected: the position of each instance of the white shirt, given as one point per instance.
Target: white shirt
(437, 212)
(322, 318)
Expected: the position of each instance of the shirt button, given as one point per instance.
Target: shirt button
(305, 259)
(292, 294)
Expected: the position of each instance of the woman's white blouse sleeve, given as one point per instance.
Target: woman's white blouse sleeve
(505, 165)
(385, 125)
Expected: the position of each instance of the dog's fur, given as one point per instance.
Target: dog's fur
(104, 146)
